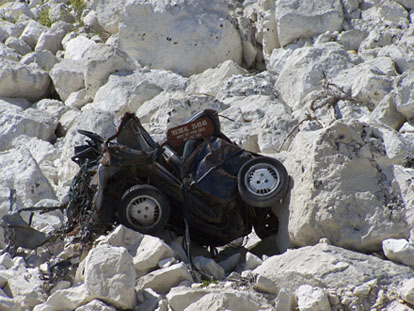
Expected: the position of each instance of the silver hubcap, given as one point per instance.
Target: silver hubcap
(143, 211)
(262, 179)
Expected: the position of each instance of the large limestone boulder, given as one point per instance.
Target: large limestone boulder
(31, 122)
(343, 188)
(304, 70)
(26, 287)
(109, 13)
(20, 172)
(7, 53)
(185, 298)
(66, 299)
(368, 82)
(304, 19)
(127, 91)
(45, 59)
(327, 266)
(110, 276)
(18, 80)
(32, 33)
(100, 62)
(162, 280)
(67, 77)
(404, 93)
(185, 37)
(149, 253)
(211, 80)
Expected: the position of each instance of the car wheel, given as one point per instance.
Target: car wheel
(267, 225)
(144, 208)
(262, 181)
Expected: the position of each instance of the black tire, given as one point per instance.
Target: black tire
(262, 181)
(144, 208)
(267, 225)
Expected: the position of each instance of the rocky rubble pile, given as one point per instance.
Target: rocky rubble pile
(325, 86)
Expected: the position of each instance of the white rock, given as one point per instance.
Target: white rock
(400, 57)
(285, 301)
(26, 288)
(352, 154)
(18, 45)
(266, 34)
(327, 266)
(167, 31)
(312, 299)
(21, 172)
(409, 4)
(370, 81)
(404, 93)
(209, 266)
(62, 284)
(127, 91)
(77, 47)
(388, 12)
(266, 285)
(110, 276)
(61, 12)
(30, 122)
(399, 250)
(6, 260)
(109, 13)
(32, 33)
(302, 72)
(91, 20)
(9, 304)
(49, 41)
(247, 35)
(259, 122)
(351, 39)
(9, 53)
(376, 39)
(95, 305)
(386, 113)
(297, 19)
(67, 77)
(407, 291)
(123, 236)
(252, 261)
(101, 61)
(163, 280)
(52, 107)
(398, 306)
(17, 10)
(45, 59)
(18, 80)
(149, 253)
(211, 80)
(78, 99)
(14, 104)
(66, 299)
(9, 29)
(181, 298)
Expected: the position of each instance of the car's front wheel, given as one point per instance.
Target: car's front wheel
(144, 208)
(262, 181)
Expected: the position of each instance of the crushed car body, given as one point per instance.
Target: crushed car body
(196, 183)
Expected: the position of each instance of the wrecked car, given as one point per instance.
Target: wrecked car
(196, 183)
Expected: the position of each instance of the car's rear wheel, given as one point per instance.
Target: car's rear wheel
(262, 181)
(144, 208)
